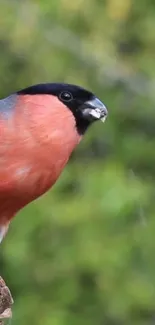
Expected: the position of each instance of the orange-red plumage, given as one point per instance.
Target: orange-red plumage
(36, 146)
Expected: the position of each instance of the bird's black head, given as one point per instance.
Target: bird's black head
(85, 106)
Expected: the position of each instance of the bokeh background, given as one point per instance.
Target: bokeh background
(85, 252)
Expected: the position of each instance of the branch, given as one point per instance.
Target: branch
(6, 302)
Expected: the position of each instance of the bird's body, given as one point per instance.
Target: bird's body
(39, 129)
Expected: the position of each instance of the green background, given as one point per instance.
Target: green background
(84, 254)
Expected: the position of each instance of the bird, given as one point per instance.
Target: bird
(40, 126)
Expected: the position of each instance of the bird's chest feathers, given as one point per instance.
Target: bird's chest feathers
(33, 168)
(33, 156)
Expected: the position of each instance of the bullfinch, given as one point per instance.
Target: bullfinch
(40, 126)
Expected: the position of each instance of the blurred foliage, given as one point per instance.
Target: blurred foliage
(84, 252)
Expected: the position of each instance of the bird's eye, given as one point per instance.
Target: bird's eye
(66, 96)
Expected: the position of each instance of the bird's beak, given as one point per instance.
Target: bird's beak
(94, 109)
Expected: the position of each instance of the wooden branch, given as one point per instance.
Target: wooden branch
(6, 302)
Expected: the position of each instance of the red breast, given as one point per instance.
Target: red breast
(37, 145)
